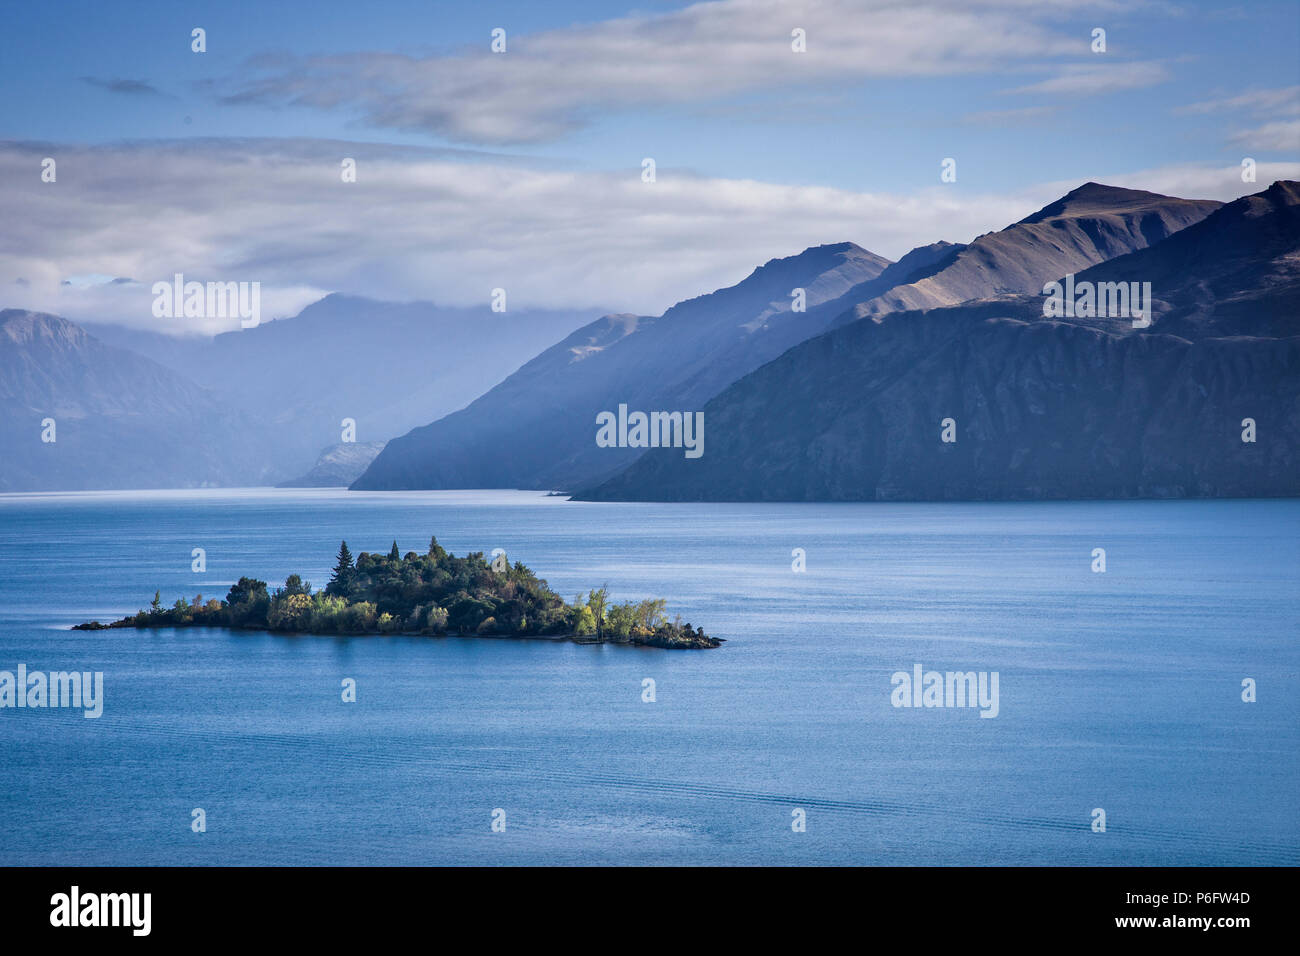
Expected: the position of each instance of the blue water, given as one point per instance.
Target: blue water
(1119, 690)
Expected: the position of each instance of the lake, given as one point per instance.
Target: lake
(1119, 690)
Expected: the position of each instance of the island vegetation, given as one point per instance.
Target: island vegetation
(435, 594)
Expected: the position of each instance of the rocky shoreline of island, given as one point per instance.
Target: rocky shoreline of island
(434, 594)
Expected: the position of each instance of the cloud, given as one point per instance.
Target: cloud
(1261, 104)
(126, 87)
(427, 224)
(1283, 101)
(549, 83)
(420, 225)
(1093, 79)
(1193, 180)
(1281, 135)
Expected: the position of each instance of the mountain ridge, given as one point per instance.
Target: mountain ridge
(686, 354)
(1083, 407)
(1086, 226)
(536, 429)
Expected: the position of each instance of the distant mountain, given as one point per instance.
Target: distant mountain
(120, 420)
(535, 429)
(1086, 226)
(387, 366)
(1043, 408)
(338, 466)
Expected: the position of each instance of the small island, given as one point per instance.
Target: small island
(433, 594)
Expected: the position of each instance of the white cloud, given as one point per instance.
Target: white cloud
(423, 224)
(1282, 101)
(1193, 180)
(1280, 135)
(1093, 79)
(419, 225)
(551, 82)
(1260, 104)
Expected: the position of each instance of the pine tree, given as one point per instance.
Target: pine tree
(344, 574)
(394, 555)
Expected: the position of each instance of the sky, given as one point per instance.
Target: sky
(523, 169)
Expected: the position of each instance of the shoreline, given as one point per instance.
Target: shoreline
(581, 639)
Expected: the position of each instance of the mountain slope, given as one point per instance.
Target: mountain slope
(1236, 272)
(387, 366)
(338, 466)
(535, 429)
(121, 420)
(1086, 226)
(1061, 408)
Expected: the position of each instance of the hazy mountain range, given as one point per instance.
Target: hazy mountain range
(120, 420)
(387, 366)
(253, 407)
(839, 397)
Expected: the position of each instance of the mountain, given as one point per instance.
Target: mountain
(535, 429)
(538, 428)
(338, 466)
(387, 366)
(1236, 272)
(1086, 226)
(120, 420)
(1043, 408)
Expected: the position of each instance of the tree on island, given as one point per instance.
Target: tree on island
(247, 602)
(294, 584)
(344, 573)
(596, 601)
(247, 591)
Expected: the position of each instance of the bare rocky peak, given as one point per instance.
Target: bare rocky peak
(20, 327)
(1086, 226)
